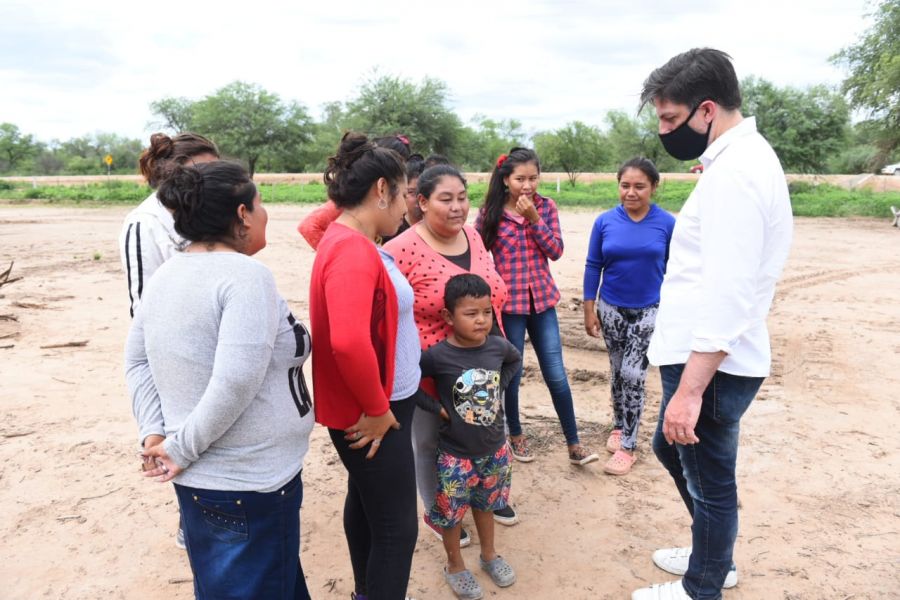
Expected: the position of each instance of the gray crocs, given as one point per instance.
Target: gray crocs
(501, 573)
(464, 585)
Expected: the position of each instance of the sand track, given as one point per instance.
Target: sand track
(819, 472)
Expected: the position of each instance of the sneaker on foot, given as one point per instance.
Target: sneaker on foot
(581, 456)
(179, 539)
(675, 561)
(506, 516)
(520, 450)
(464, 538)
(672, 590)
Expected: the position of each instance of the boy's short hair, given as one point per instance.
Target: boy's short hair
(694, 76)
(465, 285)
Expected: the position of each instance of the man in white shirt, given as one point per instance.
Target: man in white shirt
(711, 343)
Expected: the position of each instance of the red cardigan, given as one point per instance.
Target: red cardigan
(313, 227)
(353, 315)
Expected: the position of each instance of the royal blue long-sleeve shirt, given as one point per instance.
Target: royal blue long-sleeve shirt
(630, 256)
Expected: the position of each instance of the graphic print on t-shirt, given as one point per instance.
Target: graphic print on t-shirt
(476, 396)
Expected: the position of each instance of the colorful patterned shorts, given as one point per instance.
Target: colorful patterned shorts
(482, 483)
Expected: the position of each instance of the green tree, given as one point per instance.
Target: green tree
(486, 139)
(874, 81)
(629, 137)
(14, 147)
(84, 155)
(325, 137)
(804, 127)
(244, 120)
(175, 114)
(388, 105)
(575, 148)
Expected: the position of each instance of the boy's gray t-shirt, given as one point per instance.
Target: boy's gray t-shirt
(213, 362)
(471, 383)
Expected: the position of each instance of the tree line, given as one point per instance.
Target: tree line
(810, 128)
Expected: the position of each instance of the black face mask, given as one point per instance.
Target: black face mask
(683, 142)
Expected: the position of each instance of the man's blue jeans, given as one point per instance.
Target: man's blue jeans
(244, 544)
(543, 331)
(704, 474)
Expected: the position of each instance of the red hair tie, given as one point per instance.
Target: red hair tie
(403, 139)
(501, 160)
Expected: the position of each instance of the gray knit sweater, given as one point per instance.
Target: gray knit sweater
(213, 362)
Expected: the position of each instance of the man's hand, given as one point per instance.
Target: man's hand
(681, 417)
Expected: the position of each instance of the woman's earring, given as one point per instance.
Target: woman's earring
(382, 203)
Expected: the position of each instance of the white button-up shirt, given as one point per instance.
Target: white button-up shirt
(730, 243)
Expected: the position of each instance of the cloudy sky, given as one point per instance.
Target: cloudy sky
(71, 68)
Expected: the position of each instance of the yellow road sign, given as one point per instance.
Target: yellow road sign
(108, 159)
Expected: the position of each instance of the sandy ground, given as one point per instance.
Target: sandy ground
(819, 469)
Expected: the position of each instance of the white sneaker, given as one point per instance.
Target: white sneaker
(672, 590)
(675, 561)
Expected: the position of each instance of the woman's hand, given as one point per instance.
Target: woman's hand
(370, 430)
(164, 468)
(525, 207)
(591, 319)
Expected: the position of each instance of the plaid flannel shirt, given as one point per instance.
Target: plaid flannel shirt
(520, 256)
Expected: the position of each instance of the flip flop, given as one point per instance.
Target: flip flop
(464, 585)
(619, 463)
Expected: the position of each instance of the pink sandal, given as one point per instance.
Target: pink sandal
(619, 463)
(614, 441)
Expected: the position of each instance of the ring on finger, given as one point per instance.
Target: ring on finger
(376, 442)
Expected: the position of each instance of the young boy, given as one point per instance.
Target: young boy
(471, 369)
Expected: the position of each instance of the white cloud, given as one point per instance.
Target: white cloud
(71, 68)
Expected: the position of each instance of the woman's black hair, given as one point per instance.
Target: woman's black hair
(645, 165)
(495, 197)
(415, 164)
(163, 149)
(357, 165)
(436, 159)
(463, 286)
(430, 177)
(397, 143)
(204, 198)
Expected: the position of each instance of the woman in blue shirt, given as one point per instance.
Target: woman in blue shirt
(628, 250)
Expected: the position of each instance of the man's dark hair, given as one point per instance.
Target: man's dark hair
(692, 77)
(462, 286)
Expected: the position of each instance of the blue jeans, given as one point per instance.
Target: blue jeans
(704, 474)
(244, 544)
(543, 330)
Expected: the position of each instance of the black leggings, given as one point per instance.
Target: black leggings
(380, 514)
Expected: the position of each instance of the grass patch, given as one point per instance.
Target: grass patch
(808, 200)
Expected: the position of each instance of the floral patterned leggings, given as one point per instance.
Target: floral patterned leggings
(627, 333)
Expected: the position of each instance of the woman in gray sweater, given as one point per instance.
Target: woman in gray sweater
(214, 363)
